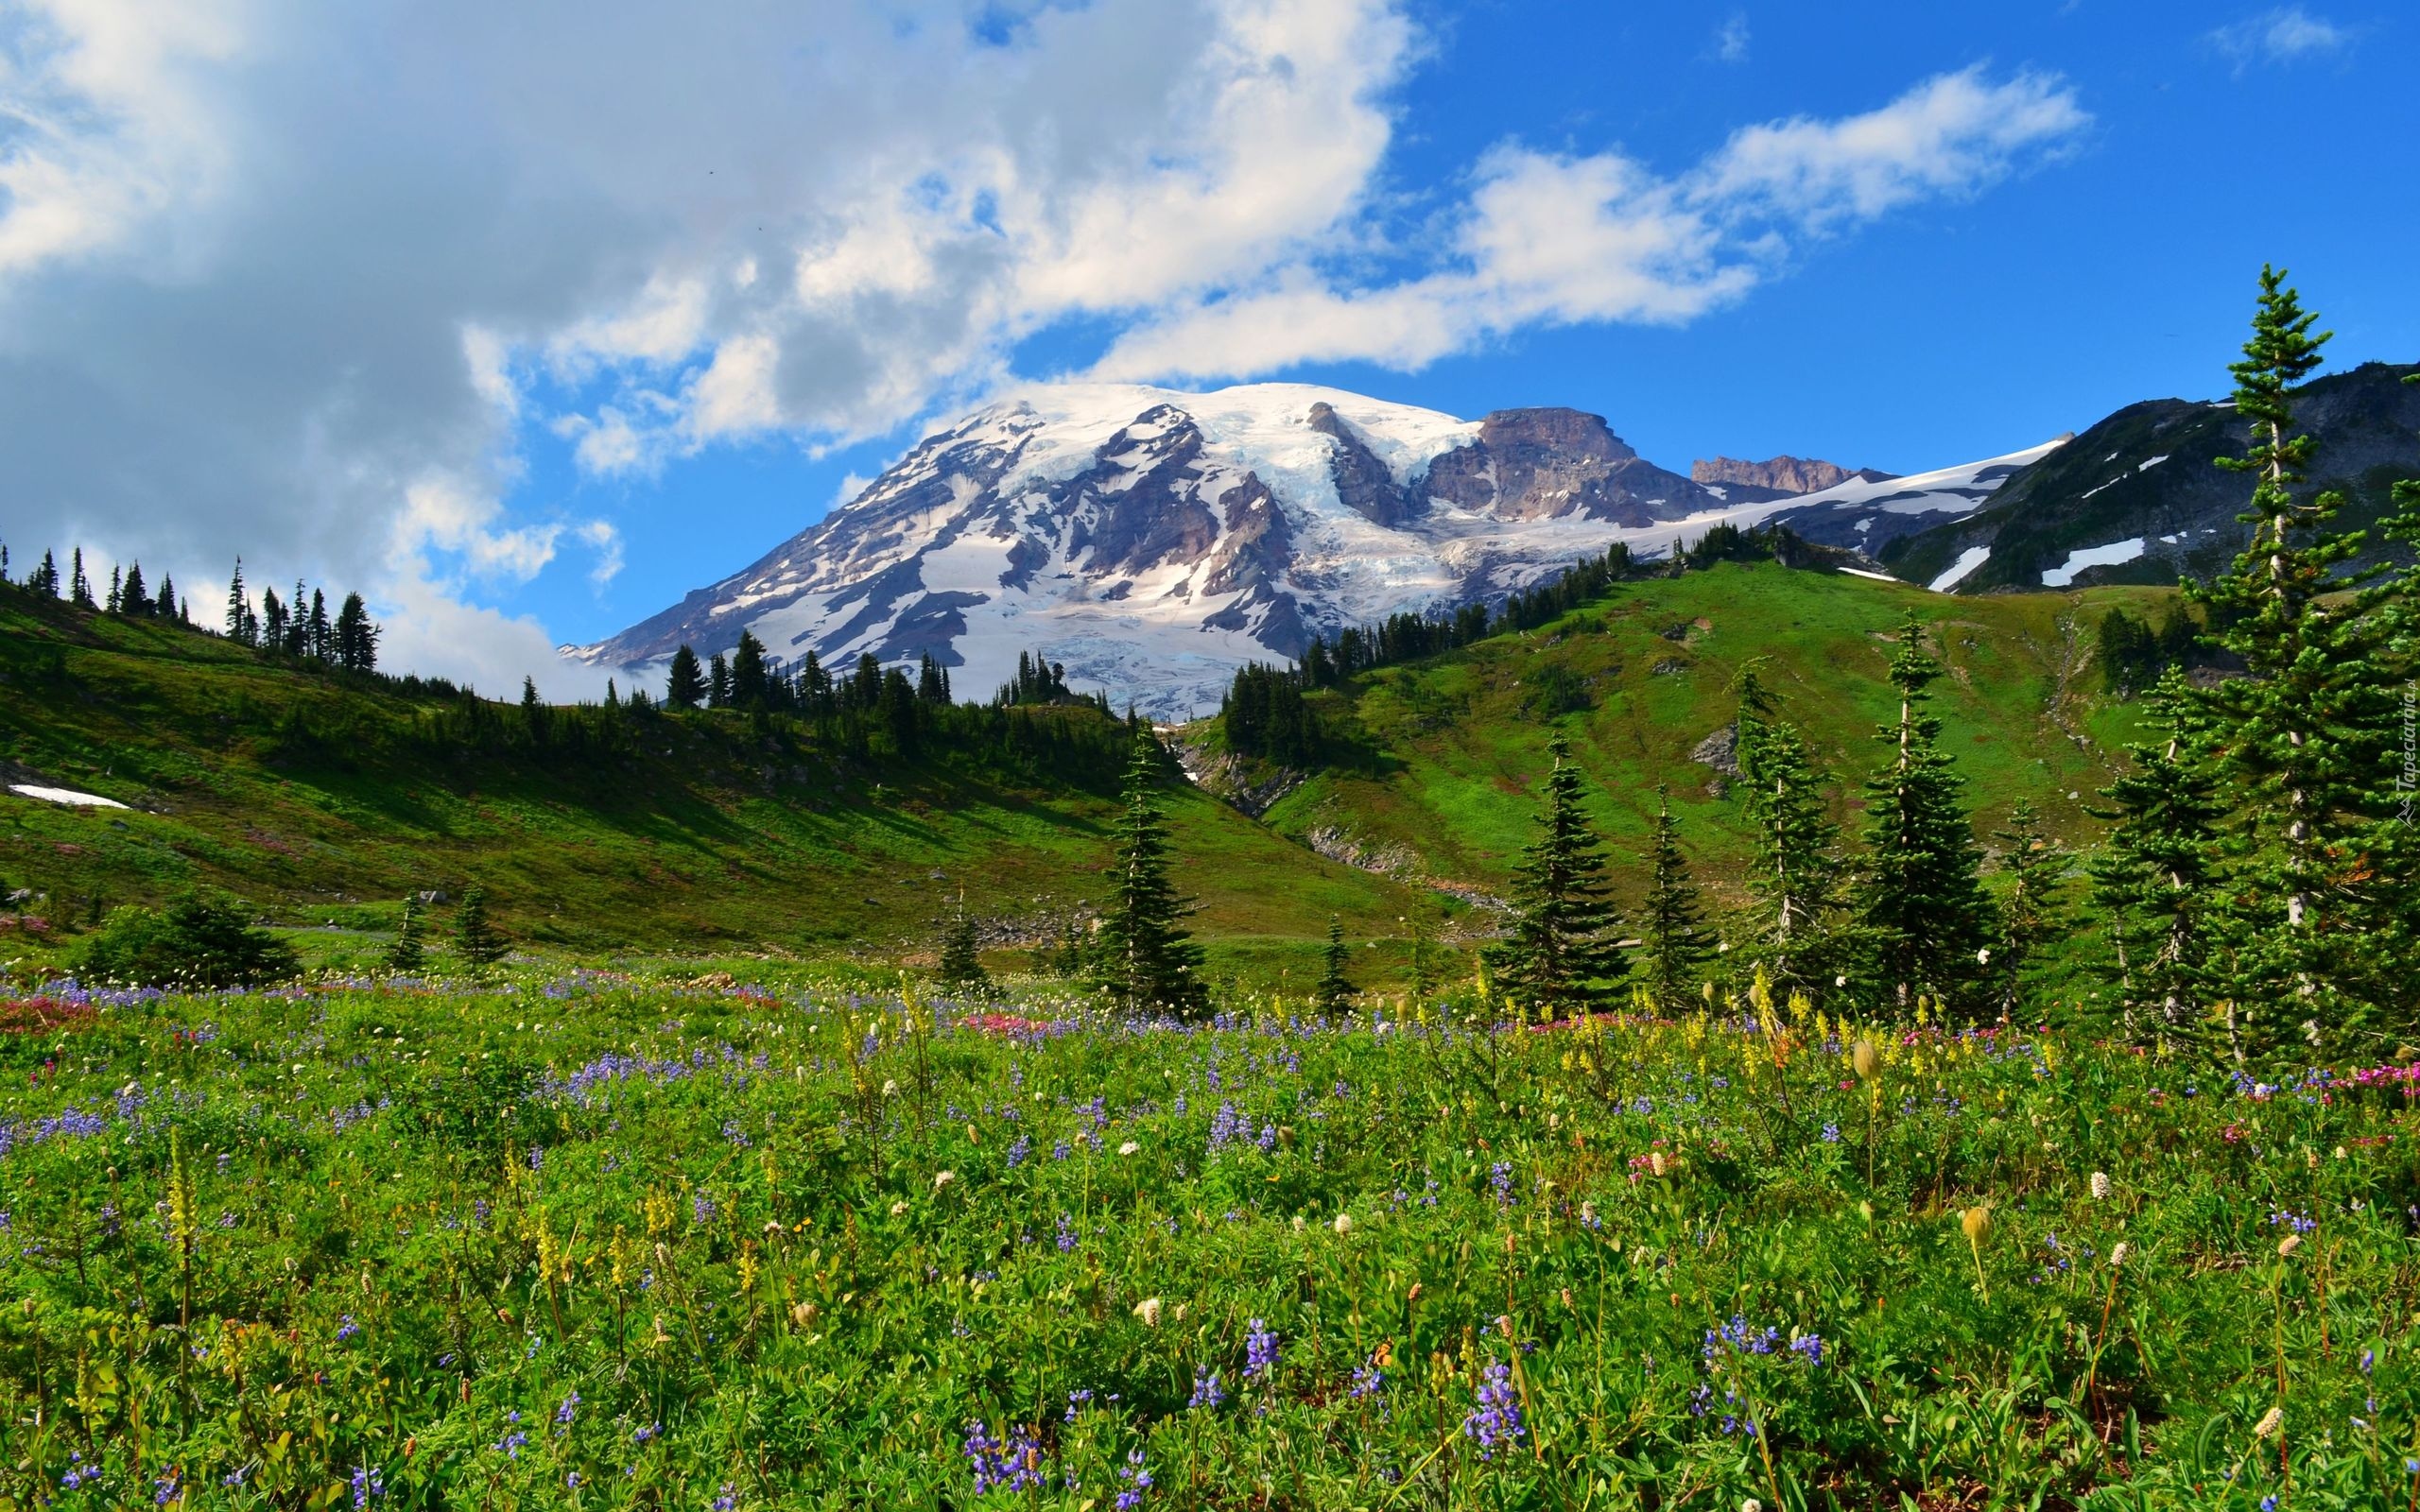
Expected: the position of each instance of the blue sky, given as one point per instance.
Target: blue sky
(531, 330)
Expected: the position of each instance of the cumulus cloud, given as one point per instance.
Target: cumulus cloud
(2288, 34)
(1560, 239)
(301, 280)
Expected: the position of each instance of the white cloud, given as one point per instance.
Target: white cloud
(1563, 240)
(1731, 39)
(455, 515)
(601, 534)
(2288, 34)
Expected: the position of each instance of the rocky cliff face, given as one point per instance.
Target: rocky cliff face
(1782, 475)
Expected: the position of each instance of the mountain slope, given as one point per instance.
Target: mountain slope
(1152, 542)
(1449, 749)
(325, 798)
(2137, 499)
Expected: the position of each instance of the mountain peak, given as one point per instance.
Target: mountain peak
(1153, 541)
(1783, 474)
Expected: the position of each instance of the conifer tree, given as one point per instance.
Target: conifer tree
(2158, 882)
(1335, 991)
(2320, 931)
(2031, 913)
(961, 963)
(239, 608)
(1424, 971)
(355, 638)
(409, 951)
(118, 577)
(1146, 959)
(320, 634)
(1758, 710)
(475, 939)
(1928, 923)
(165, 606)
(1674, 944)
(80, 587)
(686, 684)
(1562, 956)
(44, 578)
(718, 683)
(751, 680)
(1792, 929)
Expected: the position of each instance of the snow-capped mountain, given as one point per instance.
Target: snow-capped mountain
(1152, 542)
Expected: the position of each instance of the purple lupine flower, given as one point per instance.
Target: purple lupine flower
(1499, 1176)
(1497, 1418)
(366, 1484)
(1136, 1481)
(566, 1412)
(1067, 1235)
(641, 1435)
(1012, 1462)
(537, 1157)
(1205, 1388)
(701, 1209)
(1368, 1380)
(1260, 1351)
(1831, 1133)
(1810, 1346)
(347, 1328)
(727, 1499)
(1018, 1151)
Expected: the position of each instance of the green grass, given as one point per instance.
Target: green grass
(322, 799)
(604, 1240)
(1456, 749)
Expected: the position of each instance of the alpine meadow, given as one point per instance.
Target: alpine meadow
(1190, 947)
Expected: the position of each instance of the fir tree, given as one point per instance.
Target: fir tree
(961, 964)
(1927, 919)
(1796, 878)
(2157, 881)
(533, 712)
(319, 642)
(355, 638)
(165, 605)
(272, 636)
(1758, 712)
(1335, 991)
(80, 587)
(475, 939)
(239, 608)
(686, 684)
(1674, 944)
(44, 578)
(2031, 913)
(751, 680)
(1562, 956)
(718, 683)
(2321, 934)
(1145, 957)
(118, 577)
(408, 952)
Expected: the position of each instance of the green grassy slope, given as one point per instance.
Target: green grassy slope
(325, 801)
(1454, 745)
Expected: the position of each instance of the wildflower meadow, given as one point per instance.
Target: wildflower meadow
(635, 1239)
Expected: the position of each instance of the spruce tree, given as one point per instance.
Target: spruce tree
(1674, 944)
(1927, 918)
(2159, 881)
(686, 684)
(80, 587)
(475, 939)
(2031, 915)
(750, 680)
(1562, 956)
(718, 683)
(2321, 932)
(1792, 929)
(165, 605)
(239, 608)
(321, 633)
(961, 963)
(408, 952)
(1335, 991)
(1145, 958)
(44, 578)
(355, 636)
